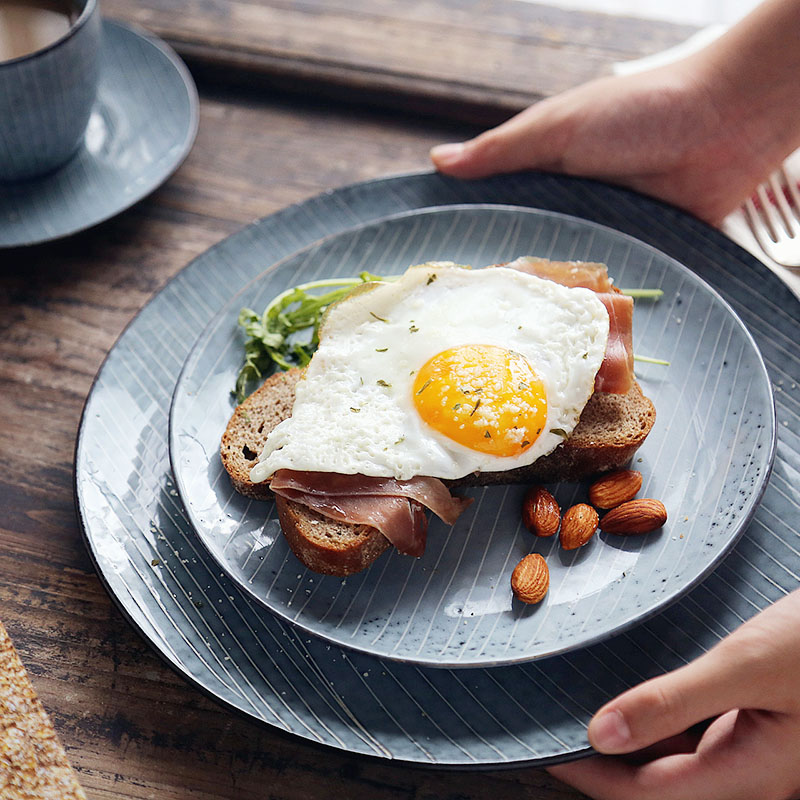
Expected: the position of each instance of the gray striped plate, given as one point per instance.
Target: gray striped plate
(215, 635)
(707, 459)
(142, 127)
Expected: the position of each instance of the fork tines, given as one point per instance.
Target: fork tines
(774, 217)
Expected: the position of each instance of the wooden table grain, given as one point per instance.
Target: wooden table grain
(475, 60)
(296, 98)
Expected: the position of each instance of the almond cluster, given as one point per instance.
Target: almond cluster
(613, 493)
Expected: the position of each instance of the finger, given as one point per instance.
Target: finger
(720, 769)
(600, 777)
(607, 776)
(523, 142)
(673, 777)
(613, 772)
(685, 742)
(666, 706)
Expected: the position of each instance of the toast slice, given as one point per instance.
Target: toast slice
(611, 428)
(325, 545)
(249, 427)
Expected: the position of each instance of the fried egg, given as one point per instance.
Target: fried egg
(444, 372)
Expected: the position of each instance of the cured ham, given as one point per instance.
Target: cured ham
(616, 372)
(615, 375)
(395, 508)
(573, 274)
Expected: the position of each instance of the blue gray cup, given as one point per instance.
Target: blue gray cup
(46, 98)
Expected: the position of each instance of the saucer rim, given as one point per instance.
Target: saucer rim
(193, 122)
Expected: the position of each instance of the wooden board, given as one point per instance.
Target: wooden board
(478, 60)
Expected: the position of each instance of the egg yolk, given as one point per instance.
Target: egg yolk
(484, 397)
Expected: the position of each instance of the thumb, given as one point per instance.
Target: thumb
(526, 141)
(716, 682)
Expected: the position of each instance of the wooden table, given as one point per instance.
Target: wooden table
(296, 98)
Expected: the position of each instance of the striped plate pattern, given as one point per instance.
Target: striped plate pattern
(707, 460)
(216, 635)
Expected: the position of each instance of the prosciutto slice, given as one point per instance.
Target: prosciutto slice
(616, 372)
(573, 274)
(395, 508)
(615, 375)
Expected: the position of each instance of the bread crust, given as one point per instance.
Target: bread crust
(327, 546)
(249, 426)
(611, 429)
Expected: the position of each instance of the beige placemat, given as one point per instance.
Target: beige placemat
(33, 764)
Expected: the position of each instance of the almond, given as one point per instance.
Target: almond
(530, 579)
(615, 488)
(578, 526)
(540, 512)
(635, 516)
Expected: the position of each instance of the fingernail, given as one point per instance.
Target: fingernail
(447, 153)
(610, 732)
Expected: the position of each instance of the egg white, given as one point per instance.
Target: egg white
(354, 411)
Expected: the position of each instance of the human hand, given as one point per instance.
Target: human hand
(664, 132)
(749, 684)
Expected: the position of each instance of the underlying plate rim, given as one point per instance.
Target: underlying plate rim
(723, 247)
(628, 622)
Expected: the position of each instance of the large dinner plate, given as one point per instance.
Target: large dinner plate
(215, 635)
(708, 459)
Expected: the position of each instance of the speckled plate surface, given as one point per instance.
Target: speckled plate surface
(707, 459)
(142, 127)
(214, 634)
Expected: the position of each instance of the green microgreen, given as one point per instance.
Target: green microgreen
(643, 294)
(648, 360)
(272, 339)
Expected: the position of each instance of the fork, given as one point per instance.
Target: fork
(773, 215)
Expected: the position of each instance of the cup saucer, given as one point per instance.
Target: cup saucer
(142, 127)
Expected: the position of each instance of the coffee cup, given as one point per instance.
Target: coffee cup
(49, 65)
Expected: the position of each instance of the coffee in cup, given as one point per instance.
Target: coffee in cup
(49, 60)
(30, 25)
